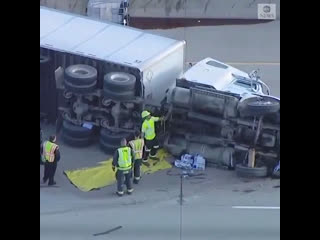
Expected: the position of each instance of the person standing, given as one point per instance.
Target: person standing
(41, 162)
(122, 160)
(149, 131)
(51, 157)
(137, 146)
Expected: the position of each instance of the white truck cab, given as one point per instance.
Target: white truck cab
(223, 77)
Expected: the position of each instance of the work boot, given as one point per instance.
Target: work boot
(154, 158)
(44, 180)
(52, 184)
(120, 194)
(146, 163)
(135, 181)
(129, 191)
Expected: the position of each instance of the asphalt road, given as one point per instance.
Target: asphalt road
(200, 220)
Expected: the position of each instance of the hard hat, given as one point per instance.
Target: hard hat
(145, 114)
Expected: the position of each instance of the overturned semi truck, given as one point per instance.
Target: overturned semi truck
(106, 74)
(227, 116)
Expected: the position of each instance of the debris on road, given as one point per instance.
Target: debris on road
(189, 161)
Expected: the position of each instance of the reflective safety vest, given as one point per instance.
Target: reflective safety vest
(125, 158)
(148, 128)
(48, 151)
(137, 147)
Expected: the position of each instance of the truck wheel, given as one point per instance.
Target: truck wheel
(119, 82)
(259, 107)
(107, 147)
(76, 142)
(79, 89)
(81, 75)
(247, 172)
(76, 131)
(119, 96)
(113, 138)
(80, 79)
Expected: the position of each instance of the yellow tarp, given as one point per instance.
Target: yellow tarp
(87, 179)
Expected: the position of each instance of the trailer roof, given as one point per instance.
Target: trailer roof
(80, 35)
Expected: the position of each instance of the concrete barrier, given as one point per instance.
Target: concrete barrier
(217, 9)
(73, 6)
(202, 9)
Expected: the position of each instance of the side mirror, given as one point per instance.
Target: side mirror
(254, 74)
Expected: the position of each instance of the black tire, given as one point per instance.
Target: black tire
(112, 138)
(107, 147)
(81, 75)
(76, 142)
(119, 96)
(259, 107)
(85, 89)
(246, 172)
(119, 82)
(76, 131)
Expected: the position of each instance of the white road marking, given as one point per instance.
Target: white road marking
(256, 207)
(248, 63)
(255, 63)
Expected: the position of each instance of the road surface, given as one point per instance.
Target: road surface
(204, 216)
(206, 223)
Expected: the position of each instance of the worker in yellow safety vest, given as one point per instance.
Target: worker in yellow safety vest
(122, 160)
(50, 157)
(137, 146)
(149, 131)
(41, 162)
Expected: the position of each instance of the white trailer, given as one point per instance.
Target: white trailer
(155, 61)
(109, 73)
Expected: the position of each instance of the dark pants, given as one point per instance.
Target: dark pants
(124, 177)
(152, 147)
(49, 172)
(137, 169)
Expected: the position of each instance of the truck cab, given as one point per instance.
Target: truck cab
(223, 77)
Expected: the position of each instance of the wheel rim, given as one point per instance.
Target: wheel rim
(119, 77)
(81, 72)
